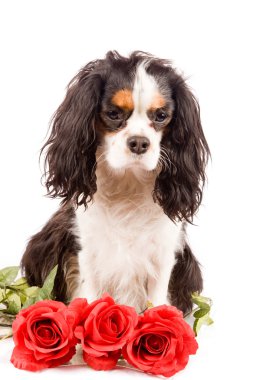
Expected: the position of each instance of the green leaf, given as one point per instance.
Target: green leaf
(32, 291)
(40, 298)
(13, 303)
(22, 296)
(20, 284)
(29, 302)
(202, 305)
(8, 275)
(46, 291)
(35, 294)
(2, 295)
(19, 294)
(205, 320)
(201, 312)
(199, 299)
(202, 302)
(209, 321)
(19, 287)
(25, 292)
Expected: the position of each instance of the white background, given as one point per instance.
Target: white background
(43, 45)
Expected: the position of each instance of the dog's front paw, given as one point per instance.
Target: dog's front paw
(85, 290)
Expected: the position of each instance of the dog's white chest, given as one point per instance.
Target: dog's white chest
(122, 247)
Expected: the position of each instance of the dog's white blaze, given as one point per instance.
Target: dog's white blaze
(144, 90)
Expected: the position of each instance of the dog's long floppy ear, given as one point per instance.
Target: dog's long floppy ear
(179, 185)
(70, 160)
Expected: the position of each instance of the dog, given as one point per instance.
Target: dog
(127, 155)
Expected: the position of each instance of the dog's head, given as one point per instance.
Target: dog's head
(143, 115)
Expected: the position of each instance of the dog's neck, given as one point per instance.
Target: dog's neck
(124, 184)
(125, 199)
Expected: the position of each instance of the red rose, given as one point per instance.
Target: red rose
(105, 329)
(78, 308)
(44, 336)
(161, 343)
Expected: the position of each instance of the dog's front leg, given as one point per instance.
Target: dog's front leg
(87, 279)
(158, 285)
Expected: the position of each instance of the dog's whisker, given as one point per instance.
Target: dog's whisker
(165, 163)
(164, 155)
(100, 160)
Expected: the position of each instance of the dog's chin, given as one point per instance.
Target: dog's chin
(133, 163)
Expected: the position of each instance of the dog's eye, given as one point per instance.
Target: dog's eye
(160, 116)
(113, 115)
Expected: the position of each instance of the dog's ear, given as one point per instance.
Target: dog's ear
(70, 160)
(178, 187)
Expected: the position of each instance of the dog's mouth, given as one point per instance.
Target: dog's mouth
(140, 161)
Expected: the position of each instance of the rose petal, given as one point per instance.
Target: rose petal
(94, 311)
(112, 322)
(102, 363)
(79, 333)
(47, 305)
(162, 312)
(77, 308)
(46, 336)
(61, 357)
(155, 343)
(22, 360)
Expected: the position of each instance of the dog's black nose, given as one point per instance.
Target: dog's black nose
(138, 144)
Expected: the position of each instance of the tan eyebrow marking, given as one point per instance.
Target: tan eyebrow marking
(158, 102)
(123, 99)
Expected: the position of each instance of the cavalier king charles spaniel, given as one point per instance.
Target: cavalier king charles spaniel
(127, 155)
